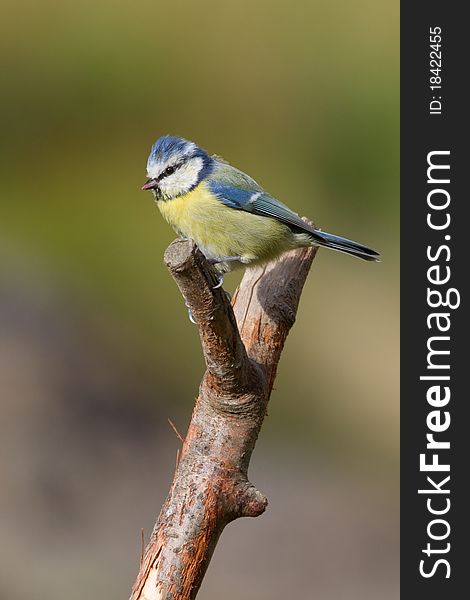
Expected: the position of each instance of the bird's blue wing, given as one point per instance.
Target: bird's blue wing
(257, 201)
(240, 192)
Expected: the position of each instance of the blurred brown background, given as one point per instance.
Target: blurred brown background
(96, 350)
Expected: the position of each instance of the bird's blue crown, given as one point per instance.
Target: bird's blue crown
(169, 146)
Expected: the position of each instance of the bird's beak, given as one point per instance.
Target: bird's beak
(150, 184)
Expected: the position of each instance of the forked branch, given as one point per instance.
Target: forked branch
(242, 347)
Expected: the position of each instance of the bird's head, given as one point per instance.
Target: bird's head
(175, 167)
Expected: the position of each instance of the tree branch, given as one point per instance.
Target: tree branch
(242, 347)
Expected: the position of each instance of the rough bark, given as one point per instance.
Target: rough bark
(242, 347)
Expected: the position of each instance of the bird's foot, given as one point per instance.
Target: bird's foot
(215, 260)
(220, 280)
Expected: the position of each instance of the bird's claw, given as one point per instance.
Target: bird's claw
(215, 260)
(190, 314)
(220, 278)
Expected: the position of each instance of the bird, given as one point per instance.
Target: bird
(231, 218)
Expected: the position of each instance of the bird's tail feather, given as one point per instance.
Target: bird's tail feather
(335, 242)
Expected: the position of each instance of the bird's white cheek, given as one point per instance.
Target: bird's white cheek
(184, 178)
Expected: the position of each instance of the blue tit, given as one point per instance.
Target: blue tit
(231, 218)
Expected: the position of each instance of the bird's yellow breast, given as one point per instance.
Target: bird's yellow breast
(222, 231)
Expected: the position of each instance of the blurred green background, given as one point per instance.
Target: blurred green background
(96, 350)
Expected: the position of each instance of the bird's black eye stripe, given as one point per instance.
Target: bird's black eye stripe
(168, 171)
